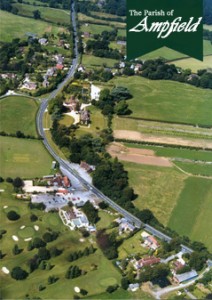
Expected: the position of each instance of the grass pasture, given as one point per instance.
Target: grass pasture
(24, 158)
(13, 26)
(167, 100)
(47, 14)
(192, 213)
(157, 188)
(94, 281)
(196, 168)
(18, 113)
(94, 61)
(95, 29)
(194, 64)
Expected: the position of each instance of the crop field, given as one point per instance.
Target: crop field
(167, 100)
(47, 13)
(95, 29)
(24, 158)
(83, 18)
(93, 61)
(13, 26)
(192, 213)
(150, 184)
(94, 281)
(194, 64)
(18, 113)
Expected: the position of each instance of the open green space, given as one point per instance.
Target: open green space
(18, 113)
(88, 19)
(47, 14)
(26, 232)
(94, 61)
(24, 158)
(66, 120)
(157, 188)
(95, 28)
(175, 152)
(167, 100)
(13, 26)
(196, 168)
(68, 241)
(194, 64)
(170, 54)
(192, 213)
(122, 294)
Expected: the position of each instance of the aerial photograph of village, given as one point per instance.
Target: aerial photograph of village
(105, 162)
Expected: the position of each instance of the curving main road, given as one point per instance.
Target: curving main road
(66, 165)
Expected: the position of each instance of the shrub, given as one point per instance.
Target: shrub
(18, 273)
(12, 215)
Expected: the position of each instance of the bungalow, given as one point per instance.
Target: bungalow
(43, 41)
(86, 35)
(147, 261)
(81, 68)
(133, 287)
(59, 66)
(29, 86)
(151, 242)
(179, 278)
(50, 71)
(86, 167)
(72, 103)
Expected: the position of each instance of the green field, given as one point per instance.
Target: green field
(94, 61)
(170, 54)
(167, 100)
(24, 158)
(13, 26)
(196, 168)
(47, 13)
(175, 152)
(94, 281)
(192, 213)
(194, 64)
(122, 294)
(18, 113)
(157, 188)
(95, 29)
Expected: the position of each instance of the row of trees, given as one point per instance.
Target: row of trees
(78, 254)
(158, 69)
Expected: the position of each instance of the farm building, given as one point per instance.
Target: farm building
(185, 276)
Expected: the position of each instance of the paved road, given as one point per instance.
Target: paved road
(66, 165)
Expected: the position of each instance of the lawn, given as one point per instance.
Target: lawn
(122, 294)
(47, 13)
(175, 152)
(192, 213)
(194, 64)
(18, 113)
(167, 100)
(157, 188)
(13, 26)
(94, 61)
(66, 120)
(24, 158)
(94, 281)
(132, 246)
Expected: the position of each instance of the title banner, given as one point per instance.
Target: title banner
(176, 24)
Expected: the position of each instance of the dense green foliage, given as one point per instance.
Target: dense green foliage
(108, 243)
(91, 212)
(73, 272)
(18, 273)
(158, 69)
(13, 215)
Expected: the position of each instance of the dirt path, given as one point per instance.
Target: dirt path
(137, 136)
(139, 156)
